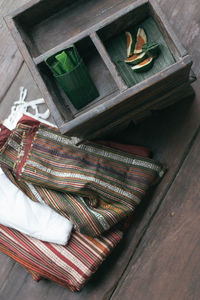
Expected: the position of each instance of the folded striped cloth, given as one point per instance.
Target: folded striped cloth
(72, 265)
(94, 186)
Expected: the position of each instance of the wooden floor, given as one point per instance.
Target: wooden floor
(159, 258)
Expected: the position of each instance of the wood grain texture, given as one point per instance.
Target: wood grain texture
(35, 73)
(184, 19)
(171, 38)
(6, 264)
(73, 19)
(145, 91)
(166, 264)
(10, 58)
(109, 17)
(104, 55)
(139, 114)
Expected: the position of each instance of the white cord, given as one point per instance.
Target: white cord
(20, 108)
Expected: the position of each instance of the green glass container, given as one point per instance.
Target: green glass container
(77, 84)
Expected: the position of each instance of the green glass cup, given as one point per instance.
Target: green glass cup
(77, 84)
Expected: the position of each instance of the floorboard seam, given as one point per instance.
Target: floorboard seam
(4, 281)
(6, 91)
(185, 155)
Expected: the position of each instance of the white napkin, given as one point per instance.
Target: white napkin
(35, 219)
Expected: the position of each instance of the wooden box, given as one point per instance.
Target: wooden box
(44, 27)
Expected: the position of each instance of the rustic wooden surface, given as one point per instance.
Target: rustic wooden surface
(159, 257)
(165, 265)
(10, 58)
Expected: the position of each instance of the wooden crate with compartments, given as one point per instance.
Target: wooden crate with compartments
(42, 28)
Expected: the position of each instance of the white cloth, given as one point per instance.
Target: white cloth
(35, 219)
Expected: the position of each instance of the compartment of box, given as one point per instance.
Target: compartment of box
(98, 71)
(114, 39)
(49, 23)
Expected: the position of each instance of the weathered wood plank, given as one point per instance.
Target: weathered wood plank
(166, 264)
(137, 115)
(35, 72)
(18, 279)
(94, 16)
(184, 18)
(6, 264)
(10, 58)
(99, 45)
(177, 48)
(130, 99)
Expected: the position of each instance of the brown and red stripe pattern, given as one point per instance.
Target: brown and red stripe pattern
(94, 186)
(71, 265)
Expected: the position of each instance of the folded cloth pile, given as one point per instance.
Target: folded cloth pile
(94, 186)
(35, 219)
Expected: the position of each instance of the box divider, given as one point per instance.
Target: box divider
(37, 60)
(33, 69)
(106, 58)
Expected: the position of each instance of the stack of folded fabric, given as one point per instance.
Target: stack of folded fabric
(94, 187)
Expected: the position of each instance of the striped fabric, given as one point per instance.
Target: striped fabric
(136, 150)
(94, 186)
(71, 265)
(4, 134)
(49, 168)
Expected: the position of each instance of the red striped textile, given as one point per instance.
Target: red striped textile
(71, 266)
(38, 272)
